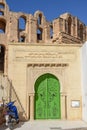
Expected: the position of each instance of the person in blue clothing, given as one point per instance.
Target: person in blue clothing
(12, 111)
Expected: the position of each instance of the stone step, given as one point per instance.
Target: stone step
(59, 128)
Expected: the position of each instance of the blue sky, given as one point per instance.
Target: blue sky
(51, 8)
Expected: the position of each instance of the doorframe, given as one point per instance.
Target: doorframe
(53, 77)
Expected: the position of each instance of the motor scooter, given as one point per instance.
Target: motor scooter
(11, 115)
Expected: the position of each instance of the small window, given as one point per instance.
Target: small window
(39, 34)
(0, 48)
(2, 31)
(1, 6)
(40, 19)
(81, 31)
(1, 13)
(69, 25)
(51, 32)
(22, 39)
(22, 23)
(2, 26)
(2, 53)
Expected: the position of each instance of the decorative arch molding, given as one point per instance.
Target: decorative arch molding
(40, 18)
(22, 16)
(37, 13)
(35, 70)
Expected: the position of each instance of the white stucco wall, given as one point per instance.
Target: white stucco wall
(84, 80)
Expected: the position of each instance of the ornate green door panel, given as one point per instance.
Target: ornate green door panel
(40, 97)
(53, 102)
(47, 97)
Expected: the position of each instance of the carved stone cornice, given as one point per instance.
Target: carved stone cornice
(48, 65)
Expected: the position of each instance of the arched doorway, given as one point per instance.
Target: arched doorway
(47, 97)
(2, 53)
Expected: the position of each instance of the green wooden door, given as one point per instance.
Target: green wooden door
(47, 97)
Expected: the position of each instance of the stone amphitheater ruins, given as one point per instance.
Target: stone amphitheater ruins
(41, 64)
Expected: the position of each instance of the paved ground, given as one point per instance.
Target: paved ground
(49, 125)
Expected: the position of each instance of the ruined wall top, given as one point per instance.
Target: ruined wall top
(27, 28)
